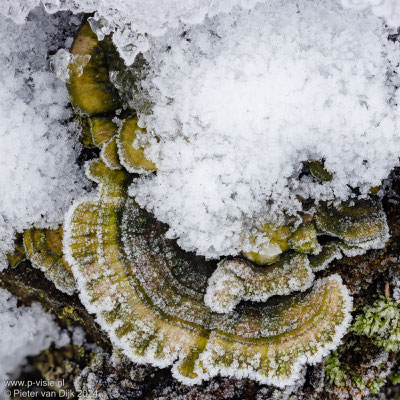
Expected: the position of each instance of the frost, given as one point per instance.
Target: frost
(18, 10)
(38, 174)
(133, 25)
(232, 120)
(25, 331)
(43, 247)
(132, 21)
(236, 99)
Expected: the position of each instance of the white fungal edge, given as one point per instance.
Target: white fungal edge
(104, 157)
(373, 244)
(97, 308)
(338, 255)
(306, 358)
(80, 282)
(175, 356)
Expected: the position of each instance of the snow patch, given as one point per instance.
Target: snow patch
(241, 101)
(25, 331)
(38, 173)
(389, 9)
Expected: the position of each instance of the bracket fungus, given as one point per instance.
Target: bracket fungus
(132, 158)
(43, 247)
(361, 225)
(352, 229)
(148, 295)
(263, 318)
(236, 280)
(89, 86)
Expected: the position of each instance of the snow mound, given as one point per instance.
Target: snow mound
(39, 177)
(242, 100)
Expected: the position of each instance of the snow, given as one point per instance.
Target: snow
(61, 61)
(389, 9)
(39, 177)
(212, 352)
(133, 24)
(25, 331)
(234, 118)
(130, 20)
(243, 92)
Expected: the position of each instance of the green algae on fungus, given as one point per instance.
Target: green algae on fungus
(270, 251)
(92, 94)
(104, 136)
(109, 154)
(358, 232)
(102, 129)
(164, 306)
(299, 255)
(319, 171)
(43, 247)
(329, 252)
(304, 239)
(18, 255)
(148, 295)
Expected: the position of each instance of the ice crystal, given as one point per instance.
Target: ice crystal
(389, 9)
(227, 128)
(61, 63)
(236, 280)
(231, 120)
